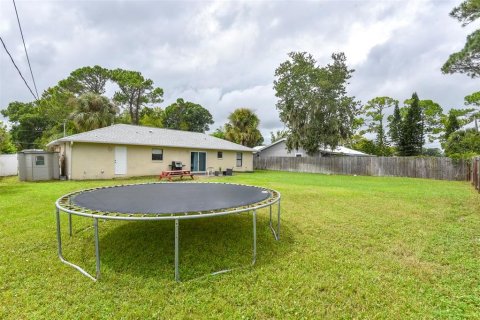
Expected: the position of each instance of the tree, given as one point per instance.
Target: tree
(360, 143)
(28, 124)
(279, 134)
(152, 117)
(219, 133)
(432, 152)
(92, 111)
(187, 116)
(411, 135)
(86, 79)
(36, 123)
(313, 103)
(242, 128)
(466, 60)
(55, 105)
(432, 114)
(123, 117)
(395, 126)
(374, 112)
(135, 92)
(431, 119)
(463, 142)
(6, 144)
(451, 125)
(468, 11)
(474, 100)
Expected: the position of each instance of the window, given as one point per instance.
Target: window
(39, 160)
(157, 154)
(298, 155)
(239, 159)
(220, 155)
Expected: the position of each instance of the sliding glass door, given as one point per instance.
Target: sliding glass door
(198, 161)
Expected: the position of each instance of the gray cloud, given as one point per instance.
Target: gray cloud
(223, 54)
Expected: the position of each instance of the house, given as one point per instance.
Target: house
(279, 149)
(123, 150)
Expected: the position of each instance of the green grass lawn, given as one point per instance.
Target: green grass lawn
(351, 247)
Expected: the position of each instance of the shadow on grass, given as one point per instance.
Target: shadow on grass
(146, 249)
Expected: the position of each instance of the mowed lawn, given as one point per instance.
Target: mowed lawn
(351, 247)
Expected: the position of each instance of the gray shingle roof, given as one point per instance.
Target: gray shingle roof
(148, 136)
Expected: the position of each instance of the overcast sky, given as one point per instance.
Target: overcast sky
(223, 55)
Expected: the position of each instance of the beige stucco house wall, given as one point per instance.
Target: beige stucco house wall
(94, 160)
(97, 161)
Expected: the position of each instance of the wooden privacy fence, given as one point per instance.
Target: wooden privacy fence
(475, 173)
(429, 168)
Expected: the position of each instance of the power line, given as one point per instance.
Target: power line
(25, 47)
(6, 50)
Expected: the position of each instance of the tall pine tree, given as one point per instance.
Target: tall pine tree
(411, 137)
(395, 126)
(452, 124)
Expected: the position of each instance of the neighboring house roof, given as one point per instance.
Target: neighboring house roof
(258, 148)
(345, 150)
(337, 150)
(271, 145)
(149, 136)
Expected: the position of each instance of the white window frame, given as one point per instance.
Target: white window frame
(37, 158)
(237, 159)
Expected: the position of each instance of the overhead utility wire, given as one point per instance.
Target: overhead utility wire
(25, 47)
(6, 50)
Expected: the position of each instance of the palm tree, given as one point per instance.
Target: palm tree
(243, 128)
(92, 111)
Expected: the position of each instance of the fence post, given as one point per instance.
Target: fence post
(477, 165)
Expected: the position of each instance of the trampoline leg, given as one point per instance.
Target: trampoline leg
(59, 235)
(254, 237)
(270, 215)
(278, 221)
(70, 224)
(177, 273)
(97, 248)
(276, 232)
(60, 253)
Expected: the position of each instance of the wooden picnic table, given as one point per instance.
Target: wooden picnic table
(169, 174)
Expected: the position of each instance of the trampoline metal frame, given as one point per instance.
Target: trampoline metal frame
(96, 215)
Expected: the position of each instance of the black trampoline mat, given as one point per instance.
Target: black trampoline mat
(170, 197)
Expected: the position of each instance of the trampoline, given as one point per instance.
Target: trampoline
(165, 201)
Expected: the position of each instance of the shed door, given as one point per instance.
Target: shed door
(120, 160)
